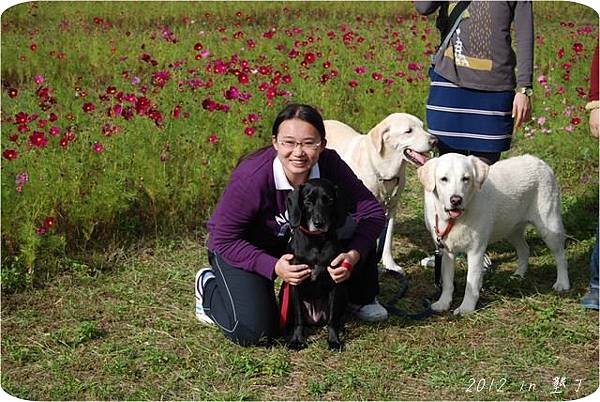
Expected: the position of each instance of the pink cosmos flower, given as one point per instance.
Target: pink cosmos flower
(39, 79)
(10, 154)
(38, 139)
(541, 121)
(97, 147)
(231, 93)
(88, 107)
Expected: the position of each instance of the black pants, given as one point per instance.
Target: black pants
(244, 306)
(488, 157)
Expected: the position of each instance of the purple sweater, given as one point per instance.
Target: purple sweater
(245, 228)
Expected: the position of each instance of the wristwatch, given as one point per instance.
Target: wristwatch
(527, 91)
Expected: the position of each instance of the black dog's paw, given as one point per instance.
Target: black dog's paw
(296, 344)
(336, 346)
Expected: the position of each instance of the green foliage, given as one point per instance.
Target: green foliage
(156, 173)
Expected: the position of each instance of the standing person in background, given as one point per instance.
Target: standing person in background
(476, 98)
(590, 300)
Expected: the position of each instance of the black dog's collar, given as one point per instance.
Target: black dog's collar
(311, 232)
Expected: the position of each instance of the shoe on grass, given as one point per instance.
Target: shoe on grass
(590, 300)
(372, 312)
(202, 276)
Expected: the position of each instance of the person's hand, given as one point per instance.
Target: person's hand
(337, 271)
(292, 274)
(594, 122)
(521, 110)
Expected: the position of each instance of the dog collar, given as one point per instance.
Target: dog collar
(311, 232)
(442, 235)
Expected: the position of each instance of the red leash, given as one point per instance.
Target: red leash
(285, 302)
(285, 298)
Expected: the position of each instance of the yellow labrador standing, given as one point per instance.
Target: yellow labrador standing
(379, 159)
(469, 204)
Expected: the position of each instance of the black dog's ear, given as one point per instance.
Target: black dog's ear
(341, 207)
(294, 206)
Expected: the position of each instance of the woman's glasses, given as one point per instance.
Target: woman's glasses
(291, 145)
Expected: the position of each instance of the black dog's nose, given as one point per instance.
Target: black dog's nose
(455, 200)
(319, 223)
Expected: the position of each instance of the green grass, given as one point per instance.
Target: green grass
(113, 318)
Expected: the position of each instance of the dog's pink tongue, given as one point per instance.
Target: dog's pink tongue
(419, 157)
(455, 213)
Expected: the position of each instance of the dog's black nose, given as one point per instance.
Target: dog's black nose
(319, 223)
(433, 141)
(456, 200)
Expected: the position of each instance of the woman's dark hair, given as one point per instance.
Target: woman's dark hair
(293, 111)
(303, 112)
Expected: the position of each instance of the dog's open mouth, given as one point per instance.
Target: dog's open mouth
(454, 213)
(416, 158)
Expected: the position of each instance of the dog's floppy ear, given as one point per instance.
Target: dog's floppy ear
(341, 207)
(481, 170)
(376, 136)
(294, 206)
(426, 174)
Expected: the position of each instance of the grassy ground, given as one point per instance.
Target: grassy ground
(128, 332)
(119, 323)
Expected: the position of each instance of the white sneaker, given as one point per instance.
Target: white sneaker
(371, 312)
(199, 290)
(428, 261)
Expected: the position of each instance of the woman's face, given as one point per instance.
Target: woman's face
(298, 146)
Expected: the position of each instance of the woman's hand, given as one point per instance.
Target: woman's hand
(521, 110)
(340, 273)
(292, 274)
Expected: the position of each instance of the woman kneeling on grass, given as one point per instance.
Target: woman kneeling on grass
(248, 233)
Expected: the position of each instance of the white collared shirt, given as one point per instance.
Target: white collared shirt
(281, 181)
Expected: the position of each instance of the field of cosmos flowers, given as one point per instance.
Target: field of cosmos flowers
(122, 120)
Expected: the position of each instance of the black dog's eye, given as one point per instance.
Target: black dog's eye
(444, 179)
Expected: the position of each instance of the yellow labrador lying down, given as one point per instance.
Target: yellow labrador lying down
(379, 159)
(469, 204)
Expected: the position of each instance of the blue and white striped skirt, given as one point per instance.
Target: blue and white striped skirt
(469, 119)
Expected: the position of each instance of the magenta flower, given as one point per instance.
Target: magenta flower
(54, 131)
(10, 154)
(88, 107)
(39, 79)
(38, 139)
(360, 70)
(232, 93)
(97, 147)
(213, 139)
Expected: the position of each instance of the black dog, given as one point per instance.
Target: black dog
(315, 212)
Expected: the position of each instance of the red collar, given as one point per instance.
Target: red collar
(442, 235)
(311, 232)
